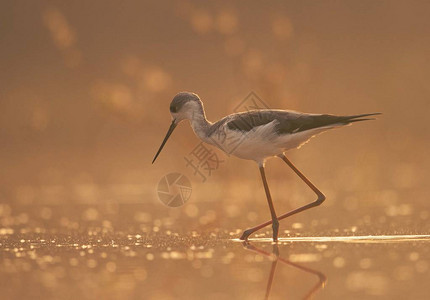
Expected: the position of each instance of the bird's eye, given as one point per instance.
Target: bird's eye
(173, 108)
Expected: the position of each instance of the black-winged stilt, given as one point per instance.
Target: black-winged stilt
(262, 134)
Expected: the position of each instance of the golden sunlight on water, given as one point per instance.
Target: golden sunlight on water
(84, 104)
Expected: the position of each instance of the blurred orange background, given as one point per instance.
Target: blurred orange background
(86, 86)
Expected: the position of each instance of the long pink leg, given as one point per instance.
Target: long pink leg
(274, 221)
(317, 202)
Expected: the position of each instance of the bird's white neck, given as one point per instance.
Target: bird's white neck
(200, 124)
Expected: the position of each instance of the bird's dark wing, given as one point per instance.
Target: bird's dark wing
(246, 121)
(288, 121)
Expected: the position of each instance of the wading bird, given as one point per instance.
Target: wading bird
(262, 134)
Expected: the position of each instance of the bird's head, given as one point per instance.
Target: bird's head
(183, 107)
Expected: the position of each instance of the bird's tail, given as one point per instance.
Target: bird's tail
(331, 121)
(358, 118)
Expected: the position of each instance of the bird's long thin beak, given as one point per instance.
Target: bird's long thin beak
(169, 132)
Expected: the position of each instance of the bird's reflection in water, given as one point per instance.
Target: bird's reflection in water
(322, 279)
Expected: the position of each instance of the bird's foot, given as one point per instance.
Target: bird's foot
(246, 234)
(275, 227)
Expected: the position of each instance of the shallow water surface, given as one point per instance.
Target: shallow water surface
(47, 254)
